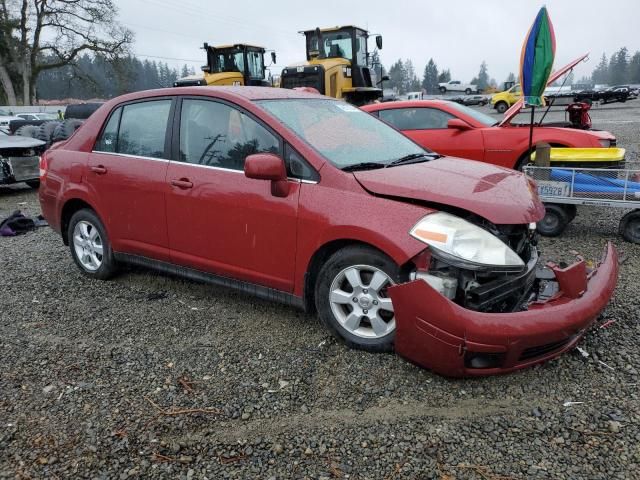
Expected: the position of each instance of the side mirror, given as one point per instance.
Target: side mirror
(273, 57)
(205, 68)
(385, 78)
(267, 166)
(457, 124)
(379, 42)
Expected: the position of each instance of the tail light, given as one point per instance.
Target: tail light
(43, 164)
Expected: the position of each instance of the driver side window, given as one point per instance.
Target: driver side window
(217, 135)
(416, 118)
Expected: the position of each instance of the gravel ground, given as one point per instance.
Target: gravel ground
(149, 375)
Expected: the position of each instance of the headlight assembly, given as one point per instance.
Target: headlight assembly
(463, 243)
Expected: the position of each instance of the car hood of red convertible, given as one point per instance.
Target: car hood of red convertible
(502, 196)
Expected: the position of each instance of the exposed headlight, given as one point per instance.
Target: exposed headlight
(606, 143)
(464, 241)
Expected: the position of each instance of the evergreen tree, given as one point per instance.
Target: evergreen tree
(482, 81)
(430, 77)
(634, 68)
(445, 76)
(397, 77)
(618, 67)
(601, 74)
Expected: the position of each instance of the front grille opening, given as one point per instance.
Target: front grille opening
(541, 350)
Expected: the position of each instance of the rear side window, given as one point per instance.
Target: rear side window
(416, 118)
(136, 129)
(217, 135)
(108, 139)
(143, 128)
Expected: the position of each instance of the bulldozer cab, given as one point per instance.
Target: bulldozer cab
(338, 65)
(238, 64)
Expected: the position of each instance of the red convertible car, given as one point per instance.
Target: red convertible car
(453, 129)
(307, 200)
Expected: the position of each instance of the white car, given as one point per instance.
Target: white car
(37, 116)
(6, 117)
(458, 86)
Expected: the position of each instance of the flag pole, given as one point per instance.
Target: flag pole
(533, 112)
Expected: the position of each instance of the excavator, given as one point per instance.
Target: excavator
(338, 65)
(238, 64)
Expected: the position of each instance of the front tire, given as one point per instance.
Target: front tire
(502, 107)
(90, 246)
(352, 301)
(468, 91)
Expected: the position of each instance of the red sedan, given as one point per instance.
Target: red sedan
(452, 129)
(306, 200)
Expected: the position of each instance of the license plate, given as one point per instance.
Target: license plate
(548, 188)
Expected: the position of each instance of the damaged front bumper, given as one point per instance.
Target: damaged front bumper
(436, 333)
(19, 169)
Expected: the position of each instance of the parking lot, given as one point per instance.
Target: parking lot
(149, 375)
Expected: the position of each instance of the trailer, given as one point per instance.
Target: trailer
(563, 189)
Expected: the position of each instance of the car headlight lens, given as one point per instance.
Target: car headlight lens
(465, 241)
(606, 143)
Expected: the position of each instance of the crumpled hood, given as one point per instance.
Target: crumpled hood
(16, 141)
(502, 196)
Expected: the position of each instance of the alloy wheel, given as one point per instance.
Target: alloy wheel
(359, 301)
(88, 245)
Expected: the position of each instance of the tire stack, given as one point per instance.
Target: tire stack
(50, 132)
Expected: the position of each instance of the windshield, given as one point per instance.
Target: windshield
(334, 44)
(342, 133)
(228, 61)
(483, 118)
(4, 113)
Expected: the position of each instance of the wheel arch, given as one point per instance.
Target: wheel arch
(321, 255)
(70, 207)
(525, 153)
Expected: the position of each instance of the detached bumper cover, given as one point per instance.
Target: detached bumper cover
(436, 333)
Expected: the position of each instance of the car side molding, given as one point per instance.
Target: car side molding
(253, 289)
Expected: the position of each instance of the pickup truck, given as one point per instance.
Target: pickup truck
(458, 86)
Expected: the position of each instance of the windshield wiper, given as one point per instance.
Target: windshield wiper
(362, 166)
(413, 158)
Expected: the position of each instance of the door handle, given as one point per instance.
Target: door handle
(182, 183)
(99, 169)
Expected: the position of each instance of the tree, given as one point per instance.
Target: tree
(618, 67)
(412, 82)
(511, 78)
(601, 73)
(445, 76)
(41, 35)
(398, 76)
(482, 80)
(634, 68)
(430, 77)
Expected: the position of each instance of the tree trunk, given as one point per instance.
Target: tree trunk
(7, 84)
(26, 83)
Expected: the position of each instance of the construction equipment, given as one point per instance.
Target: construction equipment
(338, 65)
(239, 64)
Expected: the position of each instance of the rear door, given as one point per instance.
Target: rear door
(219, 220)
(427, 126)
(126, 173)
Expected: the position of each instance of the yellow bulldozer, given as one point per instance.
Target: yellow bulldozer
(239, 64)
(338, 65)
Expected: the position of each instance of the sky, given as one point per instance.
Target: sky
(457, 34)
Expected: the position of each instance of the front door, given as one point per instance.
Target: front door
(126, 172)
(219, 221)
(427, 126)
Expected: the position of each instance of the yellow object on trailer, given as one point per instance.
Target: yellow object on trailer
(586, 157)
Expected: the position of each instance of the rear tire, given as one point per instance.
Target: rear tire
(630, 227)
(555, 220)
(468, 91)
(502, 107)
(352, 300)
(90, 246)
(443, 90)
